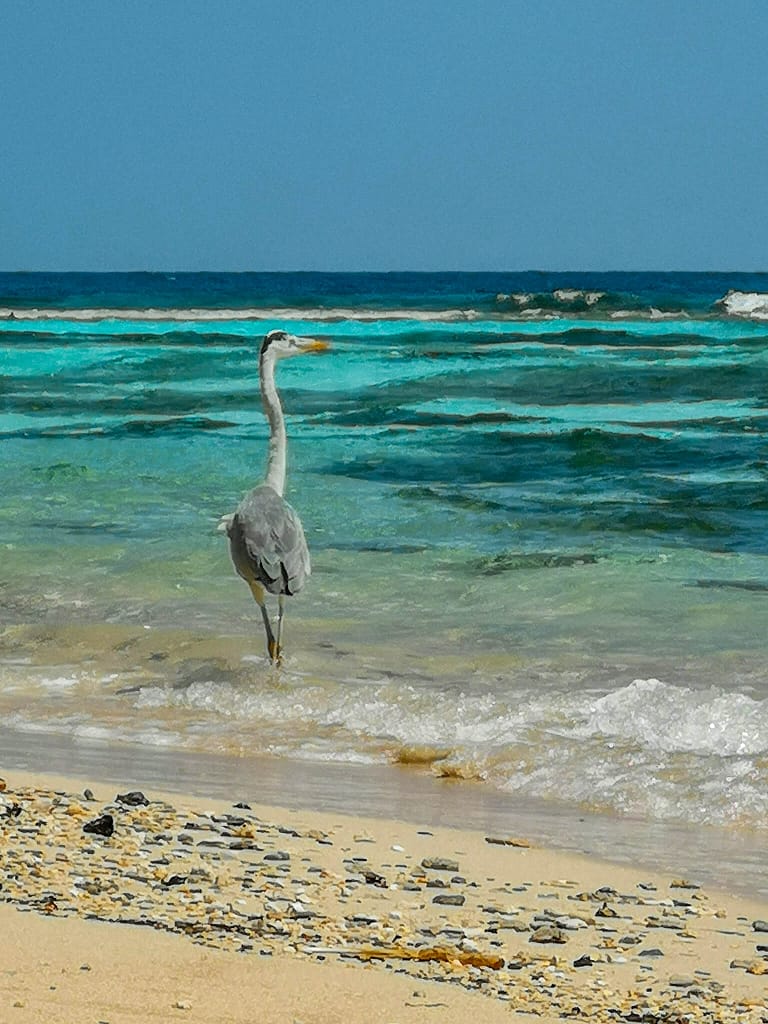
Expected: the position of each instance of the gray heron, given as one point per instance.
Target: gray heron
(266, 538)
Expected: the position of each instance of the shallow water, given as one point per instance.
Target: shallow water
(539, 546)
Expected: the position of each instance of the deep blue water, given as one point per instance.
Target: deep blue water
(640, 290)
(538, 528)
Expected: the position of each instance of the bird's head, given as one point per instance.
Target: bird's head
(281, 345)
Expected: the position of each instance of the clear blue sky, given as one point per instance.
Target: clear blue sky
(329, 135)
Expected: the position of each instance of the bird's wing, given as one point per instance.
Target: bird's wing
(267, 542)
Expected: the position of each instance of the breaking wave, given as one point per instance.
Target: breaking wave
(753, 305)
(648, 748)
(573, 303)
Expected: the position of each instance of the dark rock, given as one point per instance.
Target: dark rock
(174, 880)
(242, 806)
(88, 794)
(650, 952)
(447, 899)
(584, 961)
(606, 892)
(277, 855)
(133, 799)
(760, 926)
(374, 879)
(102, 826)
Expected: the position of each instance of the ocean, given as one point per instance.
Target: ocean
(536, 505)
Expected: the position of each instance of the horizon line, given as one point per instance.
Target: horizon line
(528, 270)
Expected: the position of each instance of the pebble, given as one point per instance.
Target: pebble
(606, 911)
(440, 864)
(547, 933)
(133, 799)
(372, 878)
(571, 924)
(104, 825)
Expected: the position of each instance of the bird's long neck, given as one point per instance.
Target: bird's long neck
(274, 412)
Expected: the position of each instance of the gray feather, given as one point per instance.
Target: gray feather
(266, 542)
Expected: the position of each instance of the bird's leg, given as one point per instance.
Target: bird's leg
(280, 613)
(258, 595)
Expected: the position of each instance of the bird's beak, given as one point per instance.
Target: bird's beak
(314, 345)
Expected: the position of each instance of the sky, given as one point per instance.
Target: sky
(390, 135)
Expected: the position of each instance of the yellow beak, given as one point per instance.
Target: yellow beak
(314, 345)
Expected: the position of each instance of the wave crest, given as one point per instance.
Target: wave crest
(677, 719)
(753, 305)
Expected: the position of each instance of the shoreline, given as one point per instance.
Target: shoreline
(317, 909)
(728, 859)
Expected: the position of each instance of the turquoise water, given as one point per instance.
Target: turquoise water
(539, 545)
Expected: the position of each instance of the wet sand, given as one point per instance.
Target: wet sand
(732, 860)
(118, 909)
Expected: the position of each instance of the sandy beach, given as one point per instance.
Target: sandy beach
(121, 905)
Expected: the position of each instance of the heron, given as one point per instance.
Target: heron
(266, 538)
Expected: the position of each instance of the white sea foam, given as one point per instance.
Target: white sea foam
(652, 714)
(673, 719)
(747, 304)
(196, 314)
(145, 735)
(59, 682)
(649, 747)
(514, 308)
